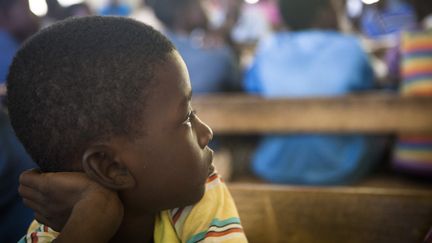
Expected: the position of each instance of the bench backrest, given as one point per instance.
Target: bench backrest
(330, 215)
(366, 113)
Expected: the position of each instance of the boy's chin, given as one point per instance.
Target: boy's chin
(194, 197)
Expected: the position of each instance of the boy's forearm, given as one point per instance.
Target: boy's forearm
(93, 220)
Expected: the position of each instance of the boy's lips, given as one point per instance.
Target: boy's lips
(210, 162)
(211, 169)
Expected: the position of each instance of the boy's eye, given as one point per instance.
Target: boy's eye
(191, 115)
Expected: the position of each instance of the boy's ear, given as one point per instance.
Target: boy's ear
(102, 165)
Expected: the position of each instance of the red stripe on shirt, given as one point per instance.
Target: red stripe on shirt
(177, 215)
(34, 237)
(222, 233)
(212, 178)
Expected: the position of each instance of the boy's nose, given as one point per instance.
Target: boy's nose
(204, 133)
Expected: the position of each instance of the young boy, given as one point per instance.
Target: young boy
(104, 102)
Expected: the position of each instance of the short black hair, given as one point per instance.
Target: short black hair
(167, 10)
(301, 14)
(80, 81)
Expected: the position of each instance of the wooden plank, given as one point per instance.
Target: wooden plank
(374, 113)
(328, 215)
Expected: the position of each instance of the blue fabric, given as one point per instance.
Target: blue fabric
(14, 217)
(310, 63)
(210, 69)
(120, 10)
(395, 17)
(306, 64)
(8, 47)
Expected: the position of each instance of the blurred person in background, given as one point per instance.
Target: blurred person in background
(413, 154)
(223, 16)
(144, 13)
(387, 18)
(55, 12)
(312, 59)
(78, 10)
(16, 24)
(116, 7)
(256, 21)
(211, 63)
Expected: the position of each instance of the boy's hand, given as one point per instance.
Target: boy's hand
(72, 203)
(52, 195)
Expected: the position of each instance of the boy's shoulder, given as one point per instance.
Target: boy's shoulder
(214, 216)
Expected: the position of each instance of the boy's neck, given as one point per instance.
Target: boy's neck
(136, 227)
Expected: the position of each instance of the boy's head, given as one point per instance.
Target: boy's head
(180, 15)
(307, 14)
(110, 96)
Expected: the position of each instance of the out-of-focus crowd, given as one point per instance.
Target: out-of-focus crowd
(272, 48)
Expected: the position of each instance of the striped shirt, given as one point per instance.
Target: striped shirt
(414, 153)
(213, 219)
(416, 63)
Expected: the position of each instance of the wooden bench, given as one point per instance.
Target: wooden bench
(295, 214)
(366, 113)
(330, 215)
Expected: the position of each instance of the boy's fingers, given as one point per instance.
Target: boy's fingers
(30, 194)
(31, 178)
(36, 207)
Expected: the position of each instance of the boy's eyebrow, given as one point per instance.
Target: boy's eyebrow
(189, 97)
(186, 100)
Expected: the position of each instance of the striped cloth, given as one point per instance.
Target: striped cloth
(213, 219)
(414, 153)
